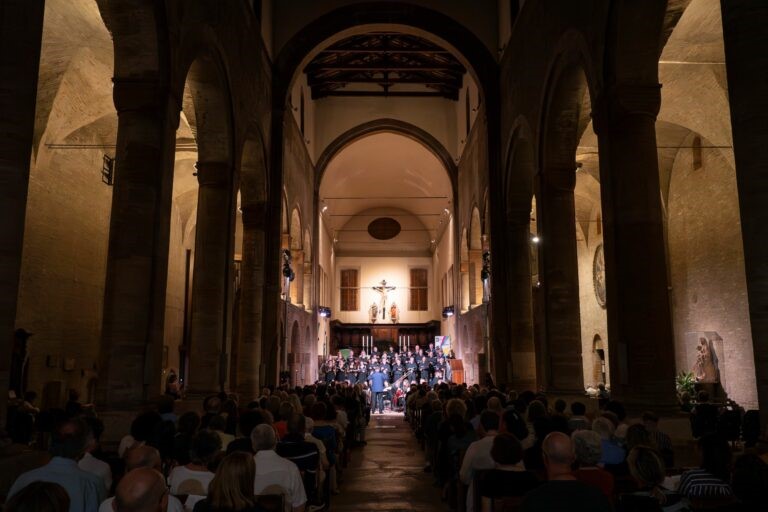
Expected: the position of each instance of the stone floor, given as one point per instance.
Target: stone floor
(388, 474)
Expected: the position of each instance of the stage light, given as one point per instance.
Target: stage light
(535, 239)
(448, 311)
(324, 312)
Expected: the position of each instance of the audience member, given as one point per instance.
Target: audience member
(588, 449)
(193, 478)
(662, 440)
(274, 474)
(295, 448)
(749, 482)
(478, 455)
(141, 490)
(39, 497)
(647, 470)
(16, 459)
(246, 423)
(90, 463)
(509, 478)
(612, 452)
(231, 490)
(578, 419)
(218, 425)
(68, 444)
(562, 491)
(182, 441)
(710, 479)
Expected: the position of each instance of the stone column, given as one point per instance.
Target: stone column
(251, 302)
(640, 338)
(559, 271)
(746, 59)
(137, 259)
(521, 346)
(307, 280)
(21, 28)
(464, 271)
(297, 286)
(211, 277)
(475, 285)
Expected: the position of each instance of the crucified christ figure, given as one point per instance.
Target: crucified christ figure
(383, 289)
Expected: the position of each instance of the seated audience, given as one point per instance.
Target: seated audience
(562, 491)
(710, 479)
(182, 441)
(647, 470)
(612, 452)
(39, 497)
(478, 455)
(638, 435)
(662, 440)
(193, 478)
(143, 457)
(16, 459)
(509, 478)
(246, 423)
(231, 490)
(218, 425)
(274, 474)
(141, 490)
(285, 410)
(90, 463)
(298, 450)
(749, 482)
(588, 448)
(578, 419)
(68, 444)
(143, 428)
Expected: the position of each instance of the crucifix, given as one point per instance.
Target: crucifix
(383, 289)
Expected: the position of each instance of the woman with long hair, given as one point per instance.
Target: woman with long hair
(231, 490)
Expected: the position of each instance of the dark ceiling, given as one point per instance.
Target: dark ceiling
(385, 64)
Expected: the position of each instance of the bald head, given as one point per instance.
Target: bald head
(141, 490)
(558, 448)
(142, 456)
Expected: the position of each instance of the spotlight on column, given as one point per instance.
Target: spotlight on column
(448, 311)
(535, 239)
(324, 312)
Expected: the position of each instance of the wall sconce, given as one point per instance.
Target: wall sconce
(324, 312)
(535, 239)
(448, 311)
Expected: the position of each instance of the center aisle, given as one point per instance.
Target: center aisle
(388, 474)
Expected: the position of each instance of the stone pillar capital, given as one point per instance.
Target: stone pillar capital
(625, 100)
(213, 174)
(131, 94)
(254, 216)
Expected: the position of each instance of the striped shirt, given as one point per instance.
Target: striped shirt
(699, 483)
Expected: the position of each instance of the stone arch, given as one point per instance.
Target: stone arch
(207, 106)
(296, 229)
(391, 126)
(565, 116)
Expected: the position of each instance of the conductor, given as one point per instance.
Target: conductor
(378, 382)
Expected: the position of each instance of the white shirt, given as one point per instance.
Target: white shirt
(188, 481)
(276, 475)
(97, 467)
(174, 505)
(476, 458)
